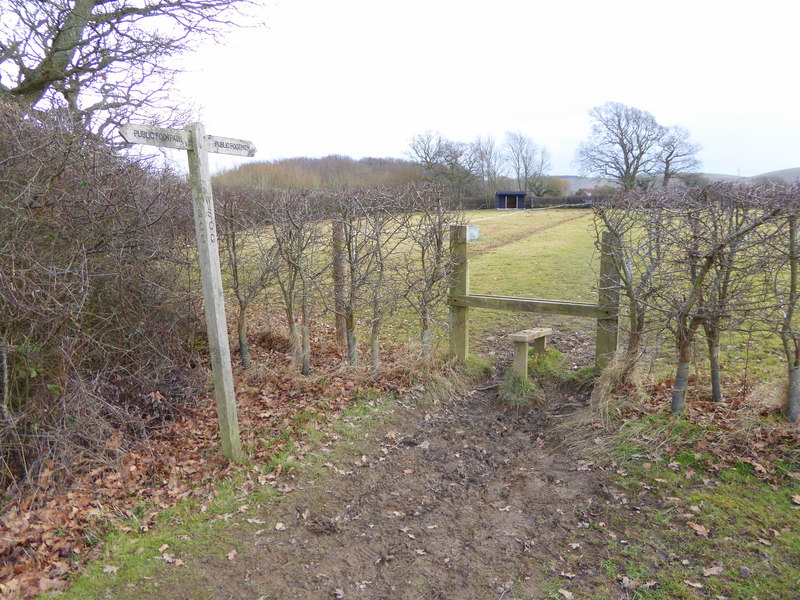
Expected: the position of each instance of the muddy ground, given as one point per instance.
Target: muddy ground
(467, 500)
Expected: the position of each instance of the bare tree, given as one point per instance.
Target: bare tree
(528, 161)
(426, 150)
(447, 162)
(249, 252)
(489, 164)
(387, 229)
(623, 146)
(701, 242)
(784, 279)
(296, 217)
(351, 254)
(427, 266)
(678, 153)
(638, 247)
(104, 59)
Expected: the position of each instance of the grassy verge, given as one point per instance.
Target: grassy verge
(701, 507)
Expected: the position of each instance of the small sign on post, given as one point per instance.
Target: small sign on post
(197, 144)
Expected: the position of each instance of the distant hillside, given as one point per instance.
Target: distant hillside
(582, 183)
(788, 175)
(720, 177)
(588, 183)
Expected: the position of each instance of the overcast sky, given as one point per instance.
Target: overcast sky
(361, 77)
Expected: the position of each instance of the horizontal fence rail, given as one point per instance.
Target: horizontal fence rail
(552, 307)
(605, 311)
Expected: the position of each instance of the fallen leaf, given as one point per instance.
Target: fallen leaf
(162, 548)
(408, 471)
(280, 527)
(232, 555)
(711, 571)
(765, 542)
(421, 551)
(796, 499)
(698, 529)
(629, 584)
(168, 558)
(256, 521)
(110, 569)
(567, 594)
(694, 584)
(568, 575)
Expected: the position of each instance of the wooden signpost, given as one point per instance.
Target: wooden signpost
(197, 144)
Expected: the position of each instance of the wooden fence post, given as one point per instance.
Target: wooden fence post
(459, 315)
(213, 297)
(608, 299)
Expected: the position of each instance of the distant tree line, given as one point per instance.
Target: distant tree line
(473, 172)
(330, 172)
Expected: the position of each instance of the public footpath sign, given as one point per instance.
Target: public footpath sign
(197, 145)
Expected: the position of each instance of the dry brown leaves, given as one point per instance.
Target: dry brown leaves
(738, 430)
(48, 534)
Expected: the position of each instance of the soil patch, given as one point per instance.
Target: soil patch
(467, 501)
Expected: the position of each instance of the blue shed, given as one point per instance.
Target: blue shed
(506, 200)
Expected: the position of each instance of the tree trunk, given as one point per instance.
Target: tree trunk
(5, 382)
(352, 347)
(682, 376)
(792, 407)
(305, 318)
(294, 337)
(244, 350)
(339, 287)
(352, 342)
(306, 351)
(426, 332)
(712, 336)
(374, 344)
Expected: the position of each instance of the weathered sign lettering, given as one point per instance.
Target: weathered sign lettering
(222, 145)
(197, 144)
(175, 138)
(155, 136)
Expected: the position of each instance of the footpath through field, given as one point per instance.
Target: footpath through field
(455, 501)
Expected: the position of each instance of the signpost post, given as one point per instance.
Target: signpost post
(197, 144)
